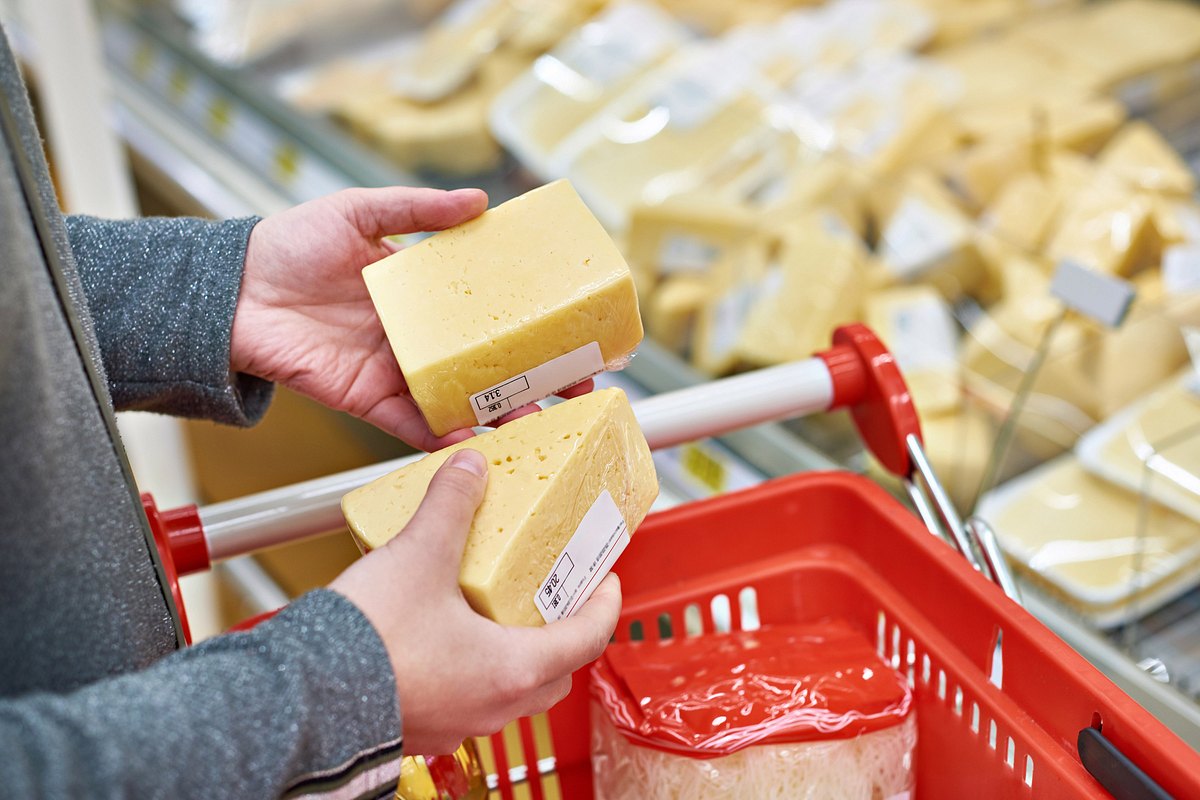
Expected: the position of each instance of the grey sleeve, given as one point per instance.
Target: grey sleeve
(304, 705)
(161, 292)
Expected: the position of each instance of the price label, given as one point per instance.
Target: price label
(598, 541)
(286, 161)
(220, 116)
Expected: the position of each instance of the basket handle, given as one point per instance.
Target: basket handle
(867, 380)
(1122, 778)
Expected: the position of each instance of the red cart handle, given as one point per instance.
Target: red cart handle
(867, 380)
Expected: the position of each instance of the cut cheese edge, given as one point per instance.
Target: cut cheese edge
(483, 302)
(545, 471)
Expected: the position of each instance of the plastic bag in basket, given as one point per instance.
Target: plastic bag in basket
(807, 711)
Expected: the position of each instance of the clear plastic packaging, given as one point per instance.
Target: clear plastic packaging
(579, 76)
(795, 711)
(663, 136)
(1107, 553)
(506, 309)
(576, 478)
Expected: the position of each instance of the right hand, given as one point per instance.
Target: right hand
(459, 674)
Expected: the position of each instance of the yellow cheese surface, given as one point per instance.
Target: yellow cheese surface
(525, 282)
(673, 308)
(1081, 533)
(545, 471)
(1106, 227)
(1023, 211)
(1142, 157)
(820, 287)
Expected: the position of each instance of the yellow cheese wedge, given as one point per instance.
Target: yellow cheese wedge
(917, 326)
(1106, 227)
(1023, 211)
(719, 324)
(545, 472)
(688, 234)
(1140, 155)
(673, 307)
(819, 288)
(522, 284)
(1177, 221)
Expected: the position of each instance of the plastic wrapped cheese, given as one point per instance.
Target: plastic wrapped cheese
(578, 77)
(506, 309)
(576, 478)
(787, 711)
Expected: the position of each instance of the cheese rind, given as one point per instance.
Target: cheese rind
(524, 283)
(546, 470)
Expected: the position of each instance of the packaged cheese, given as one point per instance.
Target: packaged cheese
(1023, 211)
(1106, 227)
(925, 236)
(1096, 547)
(662, 136)
(580, 76)
(689, 234)
(917, 326)
(1139, 155)
(818, 287)
(673, 307)
(576, 478)
(506, 309)
(1152, 446)
(785, 711)
(720, 322)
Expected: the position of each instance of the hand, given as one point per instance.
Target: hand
(304, 318)
(459, 674)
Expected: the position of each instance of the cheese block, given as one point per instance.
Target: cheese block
(544, 23)
(448, 53)
(925, 236)
(1139, 155)
(1023, 211)
(818, 287)
(579, 77)
(663, 136)
(484, 302)
(1078, 536)
(688, 234)
(1106, 227)
(1081, 124)
(1177, 221)
(672, 309)
(450, 136)
(546, 471)
(829, 185)
(720, 322)
(916, 324)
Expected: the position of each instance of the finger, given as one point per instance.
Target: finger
(583, 387)
(402, 209)
(562, 647)
(439, 528)
(398, 416)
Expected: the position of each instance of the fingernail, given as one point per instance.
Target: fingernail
(469, 460)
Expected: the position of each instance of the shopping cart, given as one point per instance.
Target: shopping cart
(1005, 708)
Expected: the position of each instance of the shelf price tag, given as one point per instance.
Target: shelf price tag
(220, 116)
(703, 466)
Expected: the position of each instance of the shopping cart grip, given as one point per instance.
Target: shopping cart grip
(1120, 777)
(867, 381)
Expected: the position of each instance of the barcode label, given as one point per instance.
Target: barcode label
(597, 543)
(537, 383)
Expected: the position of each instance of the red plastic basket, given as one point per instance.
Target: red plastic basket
(1000, 699)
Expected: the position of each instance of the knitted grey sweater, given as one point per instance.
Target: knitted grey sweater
(96, 699)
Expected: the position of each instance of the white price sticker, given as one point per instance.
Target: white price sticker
(1181, 269)
(595, 546)
(918, 238)
(537, 383)
(683, 252)
(924, 336)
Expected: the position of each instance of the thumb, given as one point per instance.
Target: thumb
(439, 527)
(562, 647)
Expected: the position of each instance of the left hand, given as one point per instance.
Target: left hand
(304, 318)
